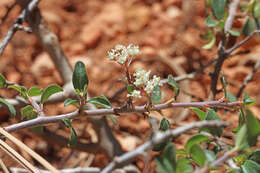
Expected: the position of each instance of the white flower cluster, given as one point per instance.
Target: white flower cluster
(142, 79)
(120, 53)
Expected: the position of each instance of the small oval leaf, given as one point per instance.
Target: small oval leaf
(198, 155)
(218, 8)
(28, 112)
(156, 95)
(70, 101)
(195, 140)
(50, 90)
(174, 84)
(80, 78)
(100, 101)
(34, 91)
(10, 107)
(73, 138)
(2, 81)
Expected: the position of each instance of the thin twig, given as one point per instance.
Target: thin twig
(71, 170)
(102, 112)
(157, 139)
(16, 156)
(4, 168)
(36, 156)
(232, 13)
(248, 78)
(14, 28)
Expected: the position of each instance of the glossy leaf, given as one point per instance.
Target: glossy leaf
(250, 167)
(210, 44)
(183, 166)
(247, 100)
(249, 27)
(231, 97)
(2, 81)
(73, 138)
(255, 156)
(256, 10)
(21, 89)
(10, 107)
(70, 101)
(210, 22)
(28, 112)
(113, 119)
(80, 78)
(198, 155)
(241, 139)
(101, 101)
(218, 8)
(167, 162)
(234, 33)
(201, 114)
(35, 91)
(212, 115)
(164, 125)
(174, 84)
(196, 139)
(67, 122)
(49, 91)
(156, 95)
(253, 127)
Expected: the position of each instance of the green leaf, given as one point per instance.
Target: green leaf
(174, 84)
(70, 101)
(130, 88)
(241, 139)
(10, 107)
(2, 81)
(80, 78)
(210, 44)
(234, 33)
(253, 127)
(181, 152)
(28, 112)
(231, 97)
(212, 115)
(21, 89)
(198, 155)
(241, 120)
(73, 138)
(167, 162)
(101, 101)
(250, 167)
(156, 95)
(164, 125)
(67, 122)
(210, 22)
(183, 166)
(50, 90)
(224, 83)
(247, 100)
(248, 27)
(34, 91)
(201, 114)
(210, 155)
(255, 156)
(218, 8)
(196, 139)
(256, 10)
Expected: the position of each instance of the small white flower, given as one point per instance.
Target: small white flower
(152, 83)
(121, 53)
(141, 77)
(133, 50)
(135, 94)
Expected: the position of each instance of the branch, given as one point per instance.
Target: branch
(157, 139)
(222, 55)
(248, 78)
(18, 21)
(117, 110)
